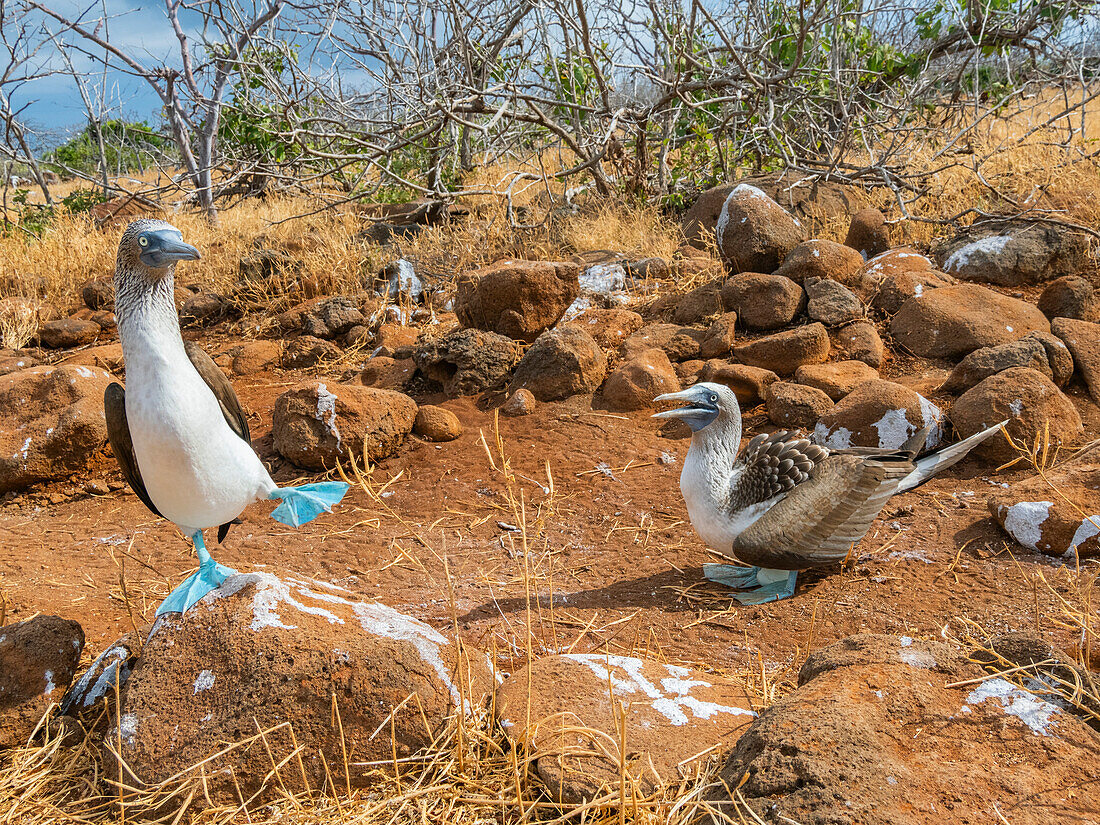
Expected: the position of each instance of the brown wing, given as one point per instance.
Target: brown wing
(222, 389)
(118, 432)
(772, 464)
(821, 518)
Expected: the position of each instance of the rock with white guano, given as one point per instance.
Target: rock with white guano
(1014, 253)
(332, 681)
(754, 232)
(566, 709)
(317, 424)
(880, 414)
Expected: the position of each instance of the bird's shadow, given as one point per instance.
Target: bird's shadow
(655, 590)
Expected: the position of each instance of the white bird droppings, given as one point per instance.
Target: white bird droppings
(1024, 521)
(204, 681)
(985, 247)
(326, 411)
(671, 699)
(1034, 712)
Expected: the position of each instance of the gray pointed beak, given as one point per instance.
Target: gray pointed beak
(166, 248)
(179, 251)
(685, 396)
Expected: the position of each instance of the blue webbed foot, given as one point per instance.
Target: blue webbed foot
(731, 575)
(302, 505)
(757, 585)
(209, 576)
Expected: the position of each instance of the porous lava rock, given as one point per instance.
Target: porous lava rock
(307, 665)
(38, 659)
(815, 202)
(331, 317)
(306, 351)
(953, 321)
(896, 731)
(888, 295)
(98, 293)
(561, 363)
(1028, 400)
(467, 361)
(700, 304)
(749, 384)
(573, 703)
(785, 352)
(517, 299)
(521, 402)
(1070, 296)
(66, 333)
(255, 356)
(437, 423)
(1040, 351)
(387, 373)
(1014, 253)
(1082, 338)
(796, 406)
(879, 414)
(315, 425)
(51, 423)
(868, 233)
(831, 303)
(763, 302)
(820, 258)
(633, 384)
(609, 327)
(837, 378)
(859, 341)
(721, 335)
(754, 232)
(679, 343)
(203, 309)
(395, 340)
(1055, 513)
(891, 262)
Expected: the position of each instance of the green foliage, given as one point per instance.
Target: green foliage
(81, 200)
(128, 146)
(34, 219)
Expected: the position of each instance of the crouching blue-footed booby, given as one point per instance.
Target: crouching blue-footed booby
(785, 504)
(177, 430)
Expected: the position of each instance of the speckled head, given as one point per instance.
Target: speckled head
(152, 248)
(705, 403)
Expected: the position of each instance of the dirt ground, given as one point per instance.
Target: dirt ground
(611, 561)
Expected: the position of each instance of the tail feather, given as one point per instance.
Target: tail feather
(925, 468)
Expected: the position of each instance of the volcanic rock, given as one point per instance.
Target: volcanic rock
(38, 660)
(796, 406)
(701, 303)
(888, 295)
(1014, 253)
(68, 332)
(609, 327)
(1037, 350)
(953, 321)
(1028, 400)
(785, 352)
(635, 383)
(754, 232)
(763, 301)
(437, 424)
(868, 233)
(1070, 296)
(679, 343)
(573, 703)
(51, 423)
(859, 341)
(879, 414)
(467, 361)
(835, 379)
(305, 351)
(561, 363)
(820, 258)
(315, 426)
(831, 303)
(305, 663)
(1082, 338)
(518, 299)
(749, 384)
(720, 336)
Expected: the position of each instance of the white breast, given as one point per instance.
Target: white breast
(199, 473)
(706, 490)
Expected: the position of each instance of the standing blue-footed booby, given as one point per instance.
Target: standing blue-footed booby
(177, 430)
(785, 504)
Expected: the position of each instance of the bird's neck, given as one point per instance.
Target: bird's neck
(714, 449)
(148, 325)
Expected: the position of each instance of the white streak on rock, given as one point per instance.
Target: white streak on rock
(1031, 710)
(326, 412)
(1024, 521)
(204, 681)
(984, 248)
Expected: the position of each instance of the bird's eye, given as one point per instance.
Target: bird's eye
(143, 241)
(713, 399)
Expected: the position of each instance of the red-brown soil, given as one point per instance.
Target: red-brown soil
(613, 547)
